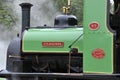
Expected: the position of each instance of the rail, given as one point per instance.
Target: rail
(5, 74)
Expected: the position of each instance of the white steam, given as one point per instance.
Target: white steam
(42, 12)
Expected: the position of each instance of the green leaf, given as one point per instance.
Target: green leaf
(7, 17)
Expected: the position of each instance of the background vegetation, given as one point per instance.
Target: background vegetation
(7, 16)
(76, 8)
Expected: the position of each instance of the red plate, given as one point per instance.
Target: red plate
(52, 44)
(98, 53)
(94, 26)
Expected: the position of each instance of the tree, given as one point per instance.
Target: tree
(76, 8)
(6, 18)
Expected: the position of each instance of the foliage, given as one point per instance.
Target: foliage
(76, 8)
(8, 19)
(6, 14)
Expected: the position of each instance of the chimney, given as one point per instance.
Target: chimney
(25, 15)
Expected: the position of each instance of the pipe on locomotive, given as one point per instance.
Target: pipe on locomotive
(26, 7)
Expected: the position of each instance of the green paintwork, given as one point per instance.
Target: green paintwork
(33, 38)
(2, 79)
(102, 38)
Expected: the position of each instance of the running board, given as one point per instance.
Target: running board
(6, 74)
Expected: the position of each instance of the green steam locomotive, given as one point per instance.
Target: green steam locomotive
(66, 49)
